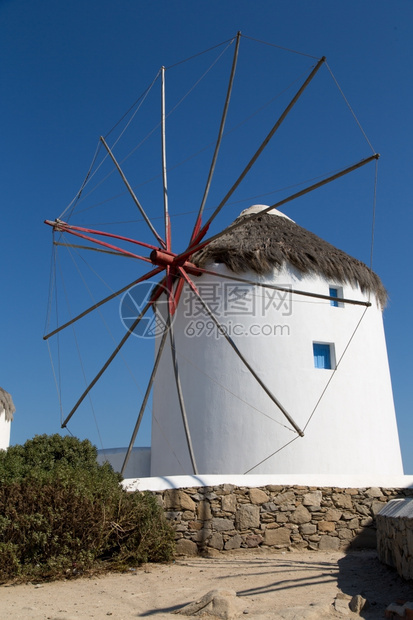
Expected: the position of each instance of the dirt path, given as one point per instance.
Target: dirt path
(289, 586)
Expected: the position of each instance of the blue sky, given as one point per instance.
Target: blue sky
(71, 69)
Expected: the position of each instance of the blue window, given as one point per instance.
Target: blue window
(333, 292)
(322, 355)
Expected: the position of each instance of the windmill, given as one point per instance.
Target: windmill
(229, 402)
(7, 410)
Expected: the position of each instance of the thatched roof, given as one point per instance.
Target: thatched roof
(6, 404)
(269, 240)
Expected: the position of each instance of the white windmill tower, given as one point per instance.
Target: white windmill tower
(7, 410)
(300, 383)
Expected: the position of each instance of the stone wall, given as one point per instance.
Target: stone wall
(300, 517)
(395, 536)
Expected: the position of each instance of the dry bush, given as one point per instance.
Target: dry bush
(61, 513)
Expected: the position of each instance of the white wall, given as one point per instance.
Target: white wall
(5, 426)
(138, 463)
(233, 423)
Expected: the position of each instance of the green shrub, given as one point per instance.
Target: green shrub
(61, 513)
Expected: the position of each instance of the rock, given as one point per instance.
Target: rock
(229, 503)
(300, 515)
(186, 547)
(195, 525)
(329, 543)
(257, 496)
(280, 536)
(341, 603)
(216, 603)
(227, 488)
(326, 526)
(333, 515)
(216, 541)
(284, 498)
(254, 540)
(247, 517)
(281, 517)
(374, 492)
(357, 603)
(203, 511)
(308, 528)
(234, 542)
(342, 501)
(376, 506)
(313, 499)
(175, 498)
(222, 525)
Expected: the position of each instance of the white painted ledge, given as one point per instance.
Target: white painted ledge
(310, 480)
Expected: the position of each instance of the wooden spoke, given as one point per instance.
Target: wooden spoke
(112, 357)
(154, 272)
(253, 216)
(145, 399)
(283, 289)
(132, 193)
(256, 155)
(219, 139)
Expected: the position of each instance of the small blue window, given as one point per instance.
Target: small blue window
(333, 293)
(322, 355)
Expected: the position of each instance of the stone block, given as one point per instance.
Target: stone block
(216, 541)
(229, 503)
(247, 517)
(333, 515)
(342, 501)
(362, 509)
(300, 515)
(281, 517)
(353, 524)
(226, 489)
(329, 543)
(285, 498)
(352, 491)
(257, 496)
(377, 506)
(374, 492)
(195, 525)
(326, 526)
(280, 536)
(186, 547)
(203, 511)
(253, 540)
(269, 506)
(222, 525)
(176, 498)
(234, 542)
(308, 528)
(313, 499)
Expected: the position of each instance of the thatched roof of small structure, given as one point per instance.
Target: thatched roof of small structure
(7, 404)
(268, 241)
